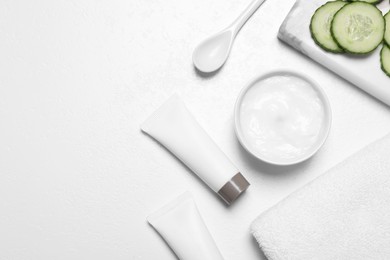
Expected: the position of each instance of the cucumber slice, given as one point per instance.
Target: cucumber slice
(368, 1)
(387, 32)
(320, 25)
(385, 59)
(358, 27)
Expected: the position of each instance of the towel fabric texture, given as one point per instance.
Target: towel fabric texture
(343, 214)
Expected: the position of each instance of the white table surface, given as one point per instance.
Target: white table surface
(78, 178)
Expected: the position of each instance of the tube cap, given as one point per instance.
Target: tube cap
(233, 188)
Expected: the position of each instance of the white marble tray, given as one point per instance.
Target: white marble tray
(362, 71)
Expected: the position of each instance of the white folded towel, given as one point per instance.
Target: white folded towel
(343, 214)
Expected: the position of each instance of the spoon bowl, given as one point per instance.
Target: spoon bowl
(212, 53)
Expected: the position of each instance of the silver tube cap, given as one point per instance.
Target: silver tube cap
(233, 188)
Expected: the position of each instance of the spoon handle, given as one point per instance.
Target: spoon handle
(246, 14)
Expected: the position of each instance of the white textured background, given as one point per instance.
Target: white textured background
(78, 178)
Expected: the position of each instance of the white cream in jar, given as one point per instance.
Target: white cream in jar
(282, 118)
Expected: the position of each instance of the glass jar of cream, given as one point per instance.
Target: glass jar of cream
(282, 117)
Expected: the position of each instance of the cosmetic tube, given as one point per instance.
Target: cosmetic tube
(184, 230)
(174, 127)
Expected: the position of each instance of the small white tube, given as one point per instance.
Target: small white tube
(184, 230)
(175, 128)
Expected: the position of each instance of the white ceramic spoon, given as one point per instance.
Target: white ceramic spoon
(212, 53)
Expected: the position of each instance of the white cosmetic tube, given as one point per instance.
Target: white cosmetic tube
(175, 128)
(182, 227)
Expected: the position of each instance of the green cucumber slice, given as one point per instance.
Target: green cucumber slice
(385, 59)
(320, 25)
(387, 32)
(368, 1)
(358, 27)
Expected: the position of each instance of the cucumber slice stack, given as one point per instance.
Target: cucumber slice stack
(354, 26)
